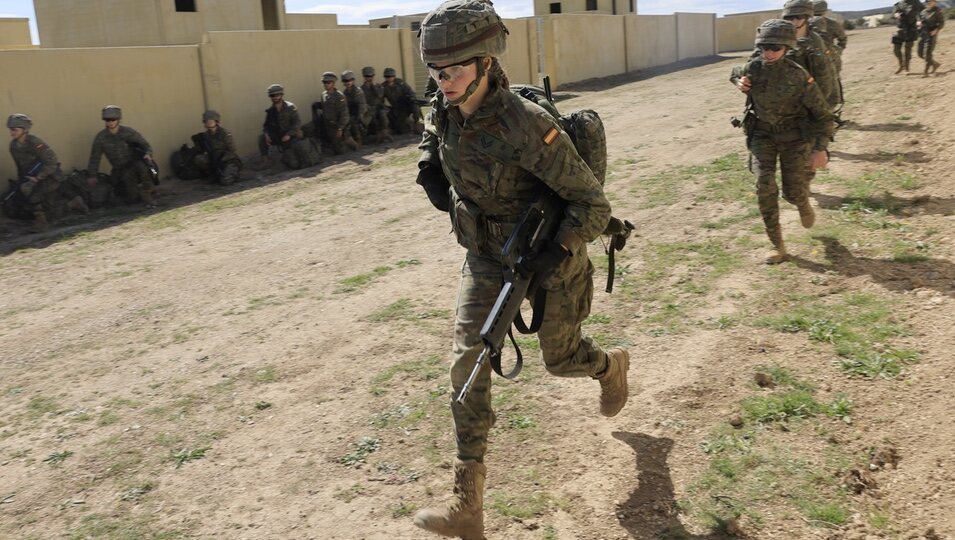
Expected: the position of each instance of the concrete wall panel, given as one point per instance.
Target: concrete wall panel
(163, 102)
(696, 34)
(15, 33)
(311, 21)
(586, 46)
(736, 32)
(520, 60)
(651, 41)
(103, 23)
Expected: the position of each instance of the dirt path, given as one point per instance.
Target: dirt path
(270, 363)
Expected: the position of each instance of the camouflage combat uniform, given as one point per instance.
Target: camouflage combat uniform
(334, 120)
(281, 122)
(130, 176)
(357, 111)
(496, 161)
(833, 36)
(908, 15)
(932, 19)
(376, 117)
(792, 119)
(404, 112)
(42, 196)
(218, 159)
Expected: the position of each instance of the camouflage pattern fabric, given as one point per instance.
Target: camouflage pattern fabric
(334, 119)
(43, 195)
(218, 158)
(357, 111)
(376, 119)
(810, 53)
(907, 33)
(834, 37)
(129, 177)
(496, 163)
(793, 119)
(280, 122)
(932, 19)
(403, 111)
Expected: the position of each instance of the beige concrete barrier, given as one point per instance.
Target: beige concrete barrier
(695, 34)
(15, 33)
(651, 41)
(736, 32)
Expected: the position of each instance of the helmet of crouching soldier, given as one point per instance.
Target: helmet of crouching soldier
(798, 8)
(211, 115)
(19, 120)
(389, 72)
(776, 32)
(367, 71)
(348, 75)
(329, 76)
(112, 112)
(275, 90)
(820, 7)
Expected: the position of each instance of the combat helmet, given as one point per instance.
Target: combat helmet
(820, 7)
(112, 112)
(459, 30)
(211, 115)
(776, 32)
(389, 72)
(329, 76)
(348, 75)
(798, 8)
(367, 71)
(19, 120)
(275, 89)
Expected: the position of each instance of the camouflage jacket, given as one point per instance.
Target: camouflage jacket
(219, 144)
(281, 122)
(831, 32)
(908, 11)
(784, 94)
(812, 54)
(357, 108)
(32, 150)
(334, 109)
(496, 161)
(399, 94)
(118, 148)
(932, 19)
(374, 95)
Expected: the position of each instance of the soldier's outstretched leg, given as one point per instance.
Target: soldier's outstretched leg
(897, 51)
(765, 153)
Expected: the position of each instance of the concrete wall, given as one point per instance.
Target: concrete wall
(604, 7)
(520, 60)
(579, 47)
(239, 66)
(651, 41)
(15, 33)
(737, 32)
(311, 21)
(695, 34)
(78, 83)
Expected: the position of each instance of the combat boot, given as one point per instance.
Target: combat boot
(778, 254)
(901, 67)
(464, 516)
(77, 204)
(40, 223)
(935, 65)
(806, 215)
(613, 383)
(148, 199)
(351, 143)
(386, 136)
(927, 66)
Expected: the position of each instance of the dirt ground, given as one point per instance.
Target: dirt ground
(269, 361)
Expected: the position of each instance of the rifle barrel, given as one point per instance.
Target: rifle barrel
(466, 389)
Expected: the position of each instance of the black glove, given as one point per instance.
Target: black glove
(545, 262)
(431, 178)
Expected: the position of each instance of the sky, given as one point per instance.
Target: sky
(360, 11)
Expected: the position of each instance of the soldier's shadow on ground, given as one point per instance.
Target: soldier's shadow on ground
(604, 83)
(896, 206)
(882, 157)
(650, 512)
(937, 274)
(890, 126)
(174, 193)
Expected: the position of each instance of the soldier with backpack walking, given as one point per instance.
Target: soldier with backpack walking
(487, 155)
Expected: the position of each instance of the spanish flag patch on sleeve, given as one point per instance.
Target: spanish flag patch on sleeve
(551, 136)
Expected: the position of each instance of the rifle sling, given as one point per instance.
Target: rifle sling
(540, 301)
(518, 364)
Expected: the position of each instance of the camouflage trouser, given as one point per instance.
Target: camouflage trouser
(793, 152)
(908, 37)
(400, 119)
(132, 181)
(296, 153)
(227, 173)
(96, 196)
(43, 197)
(566, 352)
(332, 139)
(356, 129)
(926, 48)
(376, 122)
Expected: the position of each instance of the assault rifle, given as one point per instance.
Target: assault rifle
(14, 187)
(536, 226)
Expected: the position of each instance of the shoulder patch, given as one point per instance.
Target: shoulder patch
(551, 136)
(40, 146)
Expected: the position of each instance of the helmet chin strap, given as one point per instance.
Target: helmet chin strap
(481, 71)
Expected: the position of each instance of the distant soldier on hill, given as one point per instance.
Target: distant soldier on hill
(130, 156)
(906, 14)
(787, 118)
(931, 20)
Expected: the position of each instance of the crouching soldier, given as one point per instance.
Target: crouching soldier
(376, 121)
(283, 129)
(335, 116)
(357, 108)
(33, 195)
(405, 113)
(217, 158)
(129, 155)
(787, 119)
